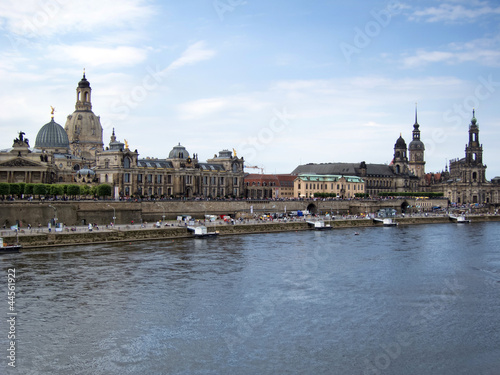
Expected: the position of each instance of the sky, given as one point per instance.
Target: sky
(282, 83)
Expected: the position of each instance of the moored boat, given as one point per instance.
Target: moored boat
(201, 231)
(319, 225)
(9, 249)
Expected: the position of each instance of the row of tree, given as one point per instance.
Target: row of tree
(408, 194)
(70, 190)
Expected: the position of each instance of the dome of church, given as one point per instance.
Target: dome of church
(416, 144)
(178, 152)
(83, 82)
(52, 135)
(400, 143)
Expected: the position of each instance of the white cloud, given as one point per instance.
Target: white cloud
(455, 13)
(194, 53)
(483, 52)
(89, 56)
(34, 18)
(231, 106)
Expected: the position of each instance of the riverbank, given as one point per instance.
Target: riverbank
(42, 238)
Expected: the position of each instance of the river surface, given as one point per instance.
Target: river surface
(421, 299)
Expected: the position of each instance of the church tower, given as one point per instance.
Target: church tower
(474, 170)
(400, 161)
(83, 126)
(416, 150)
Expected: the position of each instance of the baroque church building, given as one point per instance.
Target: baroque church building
(76, 154)
(465, 182)
(404, 174)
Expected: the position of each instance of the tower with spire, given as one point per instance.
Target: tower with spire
(475, 170)
(416, 150)
(83, 126)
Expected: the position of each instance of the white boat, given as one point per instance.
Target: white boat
(387, 222)
(201, 231)
(459, 219)
(9, 249)
(319, 225)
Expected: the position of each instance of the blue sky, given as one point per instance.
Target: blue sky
(281, 82)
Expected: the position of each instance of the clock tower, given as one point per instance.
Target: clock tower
(416, 150)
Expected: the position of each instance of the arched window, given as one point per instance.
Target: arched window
(126, 162)
(87, 97)
(474, 176)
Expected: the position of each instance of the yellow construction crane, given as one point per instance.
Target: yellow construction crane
(255, 167)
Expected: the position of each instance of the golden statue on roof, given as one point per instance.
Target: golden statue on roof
(52, 110)
(126, 144)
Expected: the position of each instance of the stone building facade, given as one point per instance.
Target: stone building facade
(404, 174)
(343, 187)
(177, 176)
(465, 182)
(75, 154)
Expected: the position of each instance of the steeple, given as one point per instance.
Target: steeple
(83, 92)
(416, 150)
(473, 131)
(416, 131)
(83, 126)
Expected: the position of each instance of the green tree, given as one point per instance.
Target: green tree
(73, 190)
(85, 190)
(4, 189)
(56, 190)
(15, 189)
(40, 189)
(28, 189)
(22, 188)
(104, 190)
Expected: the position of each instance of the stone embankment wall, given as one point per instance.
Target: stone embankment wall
(102, 212)
(136, 233)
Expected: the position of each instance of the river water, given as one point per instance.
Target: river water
(404, 300)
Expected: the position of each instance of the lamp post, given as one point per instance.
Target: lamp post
(163, 208)
(114, 214)
(55, 213)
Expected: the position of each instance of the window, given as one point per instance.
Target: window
(169, 179)
(235, 181)
(158, 178)
(126, 162)
(126, 177)
(150, 178)
(139, 177)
